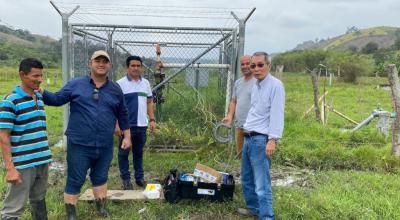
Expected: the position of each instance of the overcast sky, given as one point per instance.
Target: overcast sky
(275, 26)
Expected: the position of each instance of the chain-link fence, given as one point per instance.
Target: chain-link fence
(200, 62)
(195, 59)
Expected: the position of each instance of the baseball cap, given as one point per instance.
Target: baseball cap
(100, 53)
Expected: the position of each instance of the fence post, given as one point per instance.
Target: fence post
(66, 59)
(395, 86)
(315, 90)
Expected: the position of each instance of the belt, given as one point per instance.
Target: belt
(251, 134)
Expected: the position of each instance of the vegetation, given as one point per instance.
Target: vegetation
(352, 175)
(17, 44)
(346, 65)
(355, 37)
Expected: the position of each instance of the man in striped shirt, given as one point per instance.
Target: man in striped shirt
(25, 149)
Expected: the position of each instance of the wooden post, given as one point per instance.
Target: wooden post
(315, 90)
(312, 107)
(279, 71)
(395, 86)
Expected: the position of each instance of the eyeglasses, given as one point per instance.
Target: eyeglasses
(96, 94)
(259, 65)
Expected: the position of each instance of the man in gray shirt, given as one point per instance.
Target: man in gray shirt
(263, 129)
(240, 102)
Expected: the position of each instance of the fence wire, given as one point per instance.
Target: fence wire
(202, 87)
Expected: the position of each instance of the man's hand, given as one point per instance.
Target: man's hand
(152, 127)
(13, 176)
(117, 131)
(126, 143)
(159, 66)
(270, 147)
(227, 120)
(40, 90)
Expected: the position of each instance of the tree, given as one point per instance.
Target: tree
(369, 48)
(353, 48)
(351, 65)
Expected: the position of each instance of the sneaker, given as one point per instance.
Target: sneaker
(245, 212)
(141, 183)
(127, 185)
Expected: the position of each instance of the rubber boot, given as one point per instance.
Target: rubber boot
(71, 212)
(101, 207)
(38, 210)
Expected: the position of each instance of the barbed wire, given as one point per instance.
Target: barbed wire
(185, 13)
(73, 4)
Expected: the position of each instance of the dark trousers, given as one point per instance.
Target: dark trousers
(138, 138)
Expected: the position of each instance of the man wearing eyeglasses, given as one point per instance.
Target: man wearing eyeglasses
(263, 129)
(96, 104)
(240, 102)
(139, 100)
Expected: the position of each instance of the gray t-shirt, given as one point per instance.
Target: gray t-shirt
(242, 94)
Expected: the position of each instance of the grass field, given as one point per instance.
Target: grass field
(350, 175)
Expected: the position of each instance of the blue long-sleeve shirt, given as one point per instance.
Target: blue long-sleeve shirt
(92, 120)
(266, 114)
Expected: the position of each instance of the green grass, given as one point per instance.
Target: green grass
(354, 175)
(341, 195)
(375, 31)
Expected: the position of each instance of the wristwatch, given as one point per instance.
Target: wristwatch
(152, 119)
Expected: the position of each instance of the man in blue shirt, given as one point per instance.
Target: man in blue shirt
(25, 149)
(263, 129)
(96, 104)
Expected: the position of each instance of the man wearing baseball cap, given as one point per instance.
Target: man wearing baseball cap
(96, 104)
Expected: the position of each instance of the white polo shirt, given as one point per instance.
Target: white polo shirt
(136, 94)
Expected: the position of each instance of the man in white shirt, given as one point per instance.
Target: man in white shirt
(263, 129)
(139, 101)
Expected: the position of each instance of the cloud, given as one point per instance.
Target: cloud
(276, 25)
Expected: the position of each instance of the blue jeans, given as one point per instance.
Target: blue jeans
(255, 177)
(138, 138)
(80, 159)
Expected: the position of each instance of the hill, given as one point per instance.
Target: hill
(355, 39)
(16, 44)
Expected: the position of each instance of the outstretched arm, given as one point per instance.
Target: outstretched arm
(59, 98)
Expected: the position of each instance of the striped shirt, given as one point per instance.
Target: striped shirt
(136, 94)
(26, 119)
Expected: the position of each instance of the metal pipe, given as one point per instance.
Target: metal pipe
(171, 46)
(248, 16)
(365, 122)
(152, 43)
(231, 73)
(375, 113)
(65, 59)
(154, 27)
(197, 65)
(190, 63)
(82, 32)
(155, 31)
(242, 37)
